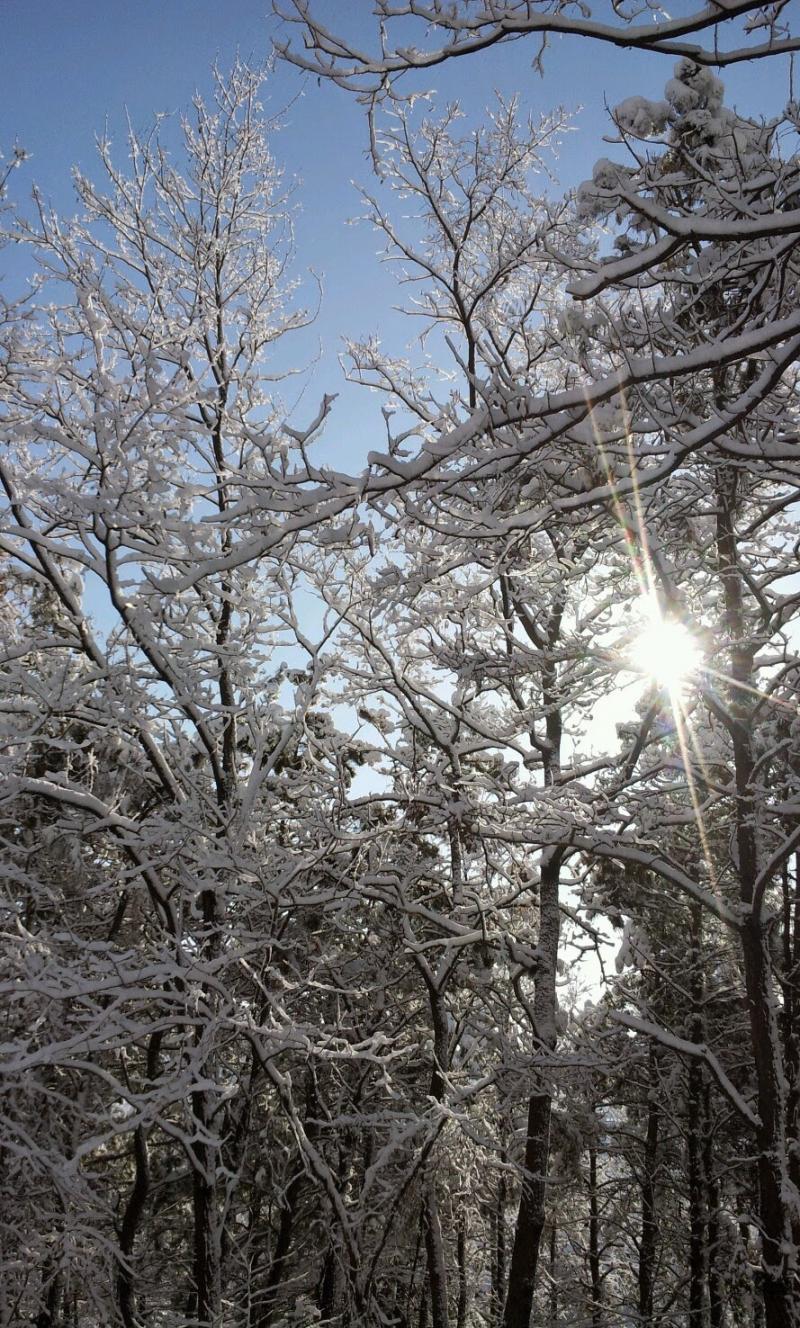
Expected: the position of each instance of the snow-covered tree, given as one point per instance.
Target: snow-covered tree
(286, 1045)
(169, 783)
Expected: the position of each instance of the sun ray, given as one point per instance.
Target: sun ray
(683, 728)
(640, 526)
(633, 531)
(753, 691)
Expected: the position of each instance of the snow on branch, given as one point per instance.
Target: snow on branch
(695, 1050)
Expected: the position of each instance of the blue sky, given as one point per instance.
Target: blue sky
(71, 68)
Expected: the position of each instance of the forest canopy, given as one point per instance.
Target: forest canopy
(400, 913)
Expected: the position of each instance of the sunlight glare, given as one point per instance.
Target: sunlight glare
(665, 650)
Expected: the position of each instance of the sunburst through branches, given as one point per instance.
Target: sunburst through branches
(666, 651)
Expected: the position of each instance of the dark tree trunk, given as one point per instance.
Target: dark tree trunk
(791, 1018)
(463, 1286)
(205, 1262)
(132, 1216)
(283, 1243)
(697, 1226)
(649, 1237)
(694, 1130)
(715, 1284)
(412, 1277)
(137, 1199)
(49, 1315)
(328, 1285)
(553, 1307)
(498, 1231)
(778, 1280)
(531, 1214)
(434, 1240)
(594, 1241)
(437, 1267)
(424, 1307)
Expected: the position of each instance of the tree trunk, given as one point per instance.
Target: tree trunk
(791, 1017)
(434, 1242)
(694, 1127)
(531, 1214)
(205, 1262)
(423, 1306)
(779, 1277)
(715, 1284)
(134, 1209)
(649, 1237)
(328, 1285)
(437, 1267)
(283, 1243)
(132, 1216)
(49, 1315)
(697, 1226)
(463, 1286)
(594, 1241)
(553, 1307)
(498, 1233)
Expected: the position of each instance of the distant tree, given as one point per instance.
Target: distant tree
(168, 785)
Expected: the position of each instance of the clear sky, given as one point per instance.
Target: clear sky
(71, 67)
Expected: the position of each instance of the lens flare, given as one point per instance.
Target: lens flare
(666, 651)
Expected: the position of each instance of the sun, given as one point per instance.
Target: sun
(666, 651)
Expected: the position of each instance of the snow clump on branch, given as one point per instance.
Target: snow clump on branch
(641, 117)
(608, 177)
(693, 87)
